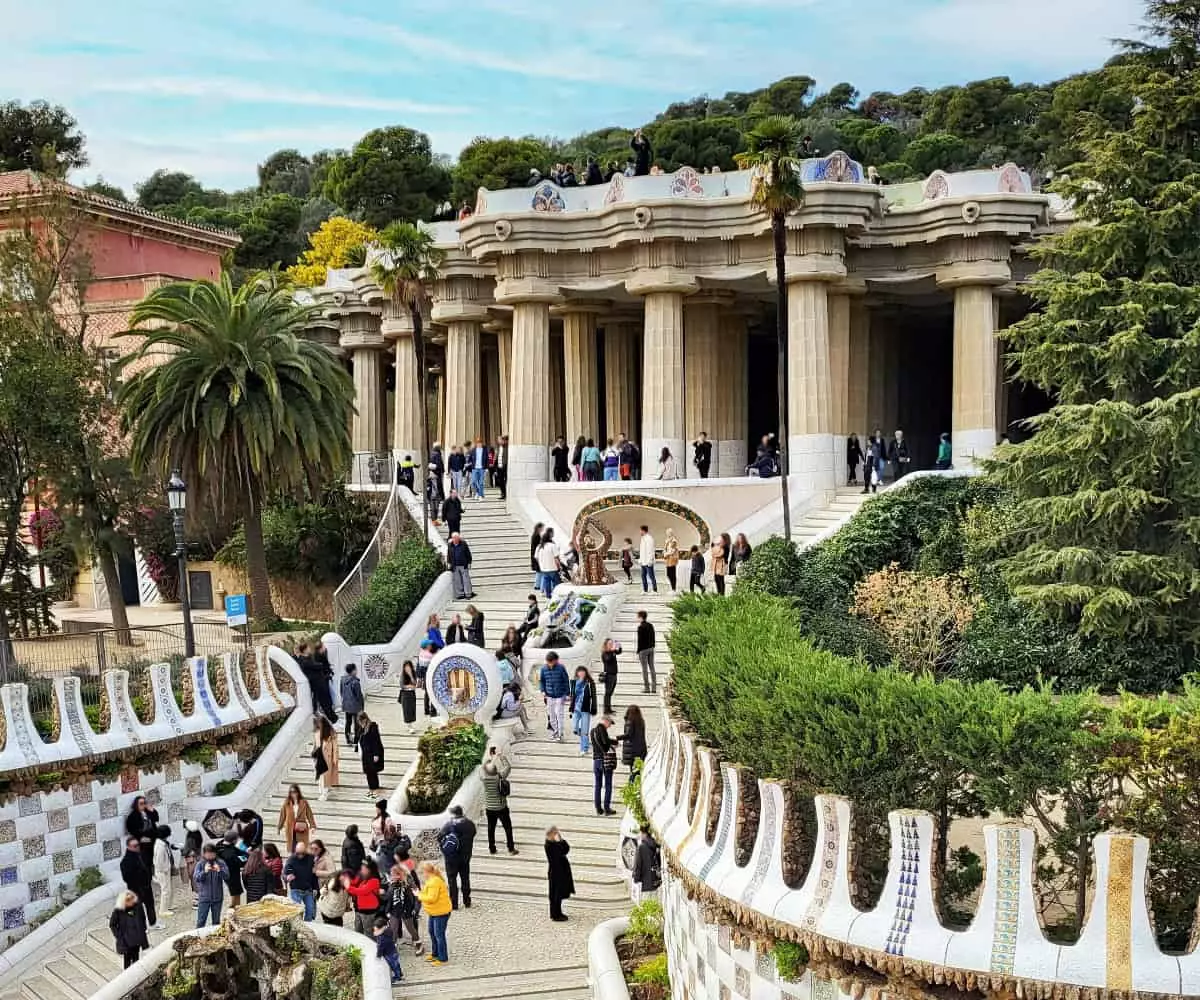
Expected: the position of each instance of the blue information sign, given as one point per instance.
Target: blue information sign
(235, 610)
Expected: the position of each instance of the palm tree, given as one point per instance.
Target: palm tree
(771, 150)
(225, 389)
(406, 265)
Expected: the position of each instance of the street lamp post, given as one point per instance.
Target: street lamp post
(177, 498)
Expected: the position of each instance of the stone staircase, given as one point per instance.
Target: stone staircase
(505, 945)
(817, 522)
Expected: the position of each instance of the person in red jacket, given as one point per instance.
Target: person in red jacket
(364, 890)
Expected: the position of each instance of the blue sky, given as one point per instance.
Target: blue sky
(213, 86)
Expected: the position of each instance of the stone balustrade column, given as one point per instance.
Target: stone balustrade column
(731, 451)
(703, 385)
(663, 389)
(581, 376)
(620, 388)
(406, 423)
(810, 416)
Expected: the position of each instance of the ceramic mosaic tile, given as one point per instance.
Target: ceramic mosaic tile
(741, 980)
(130, 779)
(173, 770)
(112, 850)
(823, 989)
(725, 994)
(906, 892)
(33, 847)
(81, 793)
(153, 796)
(57, 819)
(64, 861)
(8, 831)
(764, 964)
(723, 938)
(29, 805)
(14, 918)
(1008, 890)
(39, 889)
(8, 875)
(175, 812)
(108, 808)
(194, 785)
(85, 834)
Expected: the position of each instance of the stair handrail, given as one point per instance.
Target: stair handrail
(382, 544)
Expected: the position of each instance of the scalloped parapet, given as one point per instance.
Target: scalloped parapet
(1003, 951)
(1008, 179)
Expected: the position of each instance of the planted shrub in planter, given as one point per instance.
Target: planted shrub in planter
(447, 756)
(396, 588)
(642, 953)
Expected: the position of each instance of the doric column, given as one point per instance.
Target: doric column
(503, 332)
(557, 400)
(464, 412)
(703, 385)
(362, 340)
(663, 389)
(879, 330)
(406, 423)
(859, 375)
(491, 393)
(581, 381)
(839, 374)
(974, 430)
(620, 389)
(731, 450)
(438, 430)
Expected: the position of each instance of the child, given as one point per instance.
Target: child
(697, 569)
(385, 948)
(627, 559)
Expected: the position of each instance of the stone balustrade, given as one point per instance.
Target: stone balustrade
(901, 940)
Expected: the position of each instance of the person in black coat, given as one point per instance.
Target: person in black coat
(633, 740)
(854, 455)
(608, 660)
(370, 746)
(591, 173)
(229, 852)
(353, 852)
(475, 629)
(250, 828)
(535, 542)
(647, 866)
(142, 822)
(702, 454)
(139, 879)
(452, 512)
(318, 674)
(558, 873)
(641, 154)
(128, 926)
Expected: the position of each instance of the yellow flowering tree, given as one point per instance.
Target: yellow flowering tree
(339, 242)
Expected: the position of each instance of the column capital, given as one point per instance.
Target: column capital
(595, 307)
(712, 297)
(853, 287)
(647, 281)
(361, 331)
(993, 273)
(812, 267)
(459, 311)
(510, 291)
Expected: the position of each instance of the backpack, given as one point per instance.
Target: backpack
(450, 844)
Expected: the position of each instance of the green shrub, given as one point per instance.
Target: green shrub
(791, 960)
(88, 879)
(448, 755)
(225, 786)
(398, 585)
(631, 795)
(200, 753)
(646, 924)
(653, 971)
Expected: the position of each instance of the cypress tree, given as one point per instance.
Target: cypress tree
(1107, 536)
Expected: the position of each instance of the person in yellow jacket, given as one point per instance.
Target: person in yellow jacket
(435, 900)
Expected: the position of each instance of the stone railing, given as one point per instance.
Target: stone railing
(901, 944)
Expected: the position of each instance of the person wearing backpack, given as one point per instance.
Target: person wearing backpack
(403, 905)
(647, 866)
(496, 790)
(457, 840)
(352, 703)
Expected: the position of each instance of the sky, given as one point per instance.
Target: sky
(212, 87)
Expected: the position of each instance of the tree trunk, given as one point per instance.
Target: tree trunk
(261, 605)
(779, 232)
(419, 353)
(116, 600)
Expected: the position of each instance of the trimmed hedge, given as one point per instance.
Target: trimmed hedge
(448, 755)
(397, 586)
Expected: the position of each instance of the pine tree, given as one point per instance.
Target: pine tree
(1107, 535)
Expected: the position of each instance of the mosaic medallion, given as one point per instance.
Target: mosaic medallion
(217, 823)
(14, 918)
(57, 820)
(62, 862)
(108, 808)
(460, 685)
(85, 834)
(548, 199)
(375, 667)
(629, 846)
(112, 850)
(686, 183)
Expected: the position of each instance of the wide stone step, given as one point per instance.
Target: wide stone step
(42, 987)
(566, 982)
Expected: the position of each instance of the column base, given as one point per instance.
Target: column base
(811, 463)
(731, 459)
(968, 447)
(652, 448)
(839, 459)
(528, 465)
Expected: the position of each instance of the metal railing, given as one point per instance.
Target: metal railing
(38, 662)
(382, 544)
(373, 468)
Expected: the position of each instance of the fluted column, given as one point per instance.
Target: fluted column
(703, 385)
(492, 422)
(620, 399)
(810, 418)
(529, 413)
(406, 422)
(581, 381)
(731, 450)
(464, 412)
(839, 374)
(663, 386)
(857, 390)
(369, 425)
(974, 431)
(504, 358)
(557, 400)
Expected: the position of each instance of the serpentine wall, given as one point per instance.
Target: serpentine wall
(722, 917)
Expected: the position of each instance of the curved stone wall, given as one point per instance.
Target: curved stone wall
(901, 940)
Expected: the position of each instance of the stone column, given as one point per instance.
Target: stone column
(406, 423)
(703, 385)
(839, 375)
(503, 332)
(620, 400)
(464, 410)
(438, 430)
(731, 451)
(810, 418)
(362, 340)
(581, 381)
(491, 392)
(857, 417)
(663, 386)
(557, 400)
(974, 432)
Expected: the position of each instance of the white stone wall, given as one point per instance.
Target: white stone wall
(47, 838)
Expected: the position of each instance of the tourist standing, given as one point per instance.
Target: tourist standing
(555, 686)
(209, 878)
(627, 559)
(500, 469)
(458, 558)
(475, 629)
(142, 822)
(164, 870)
(353, 852)
(363, 887)
(548, 563)
(583, 706)
(646, 559)
(702, 454)
(229, 852)
(647, 866)
(479, 466)
(370, 745)
(128, 925)
(876, 457)
(323, 864)
(560, 881)
(325, 755)
(697, 574)
(496, 770)
(854, 455)
(944, 453)
(249, 826)
(645, 652)
(671, 559)
(633, 740)
(668, 468)
(899, 456)
(577, 457)
(300, 877)
(716, 556)
(591, 462)
(435, 899)
(424, 659)
(295, 818)
(741, 553)
(641, 154)
(456, 463)
(457, 841)
(530, 621)
(138, 878)
(452, 510)
(535, 543)
(274, 864)
(455, 632)
(608, 660)
(334, 901)
(604, 765)
(433, 632)
(257, 879)
(612, 463)
(403, 904)
(385, 948)
(561, 455)
(408, 694)
(193, 840)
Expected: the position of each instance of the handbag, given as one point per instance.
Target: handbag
(505, 788)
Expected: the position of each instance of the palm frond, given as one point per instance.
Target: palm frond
(771, 151)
